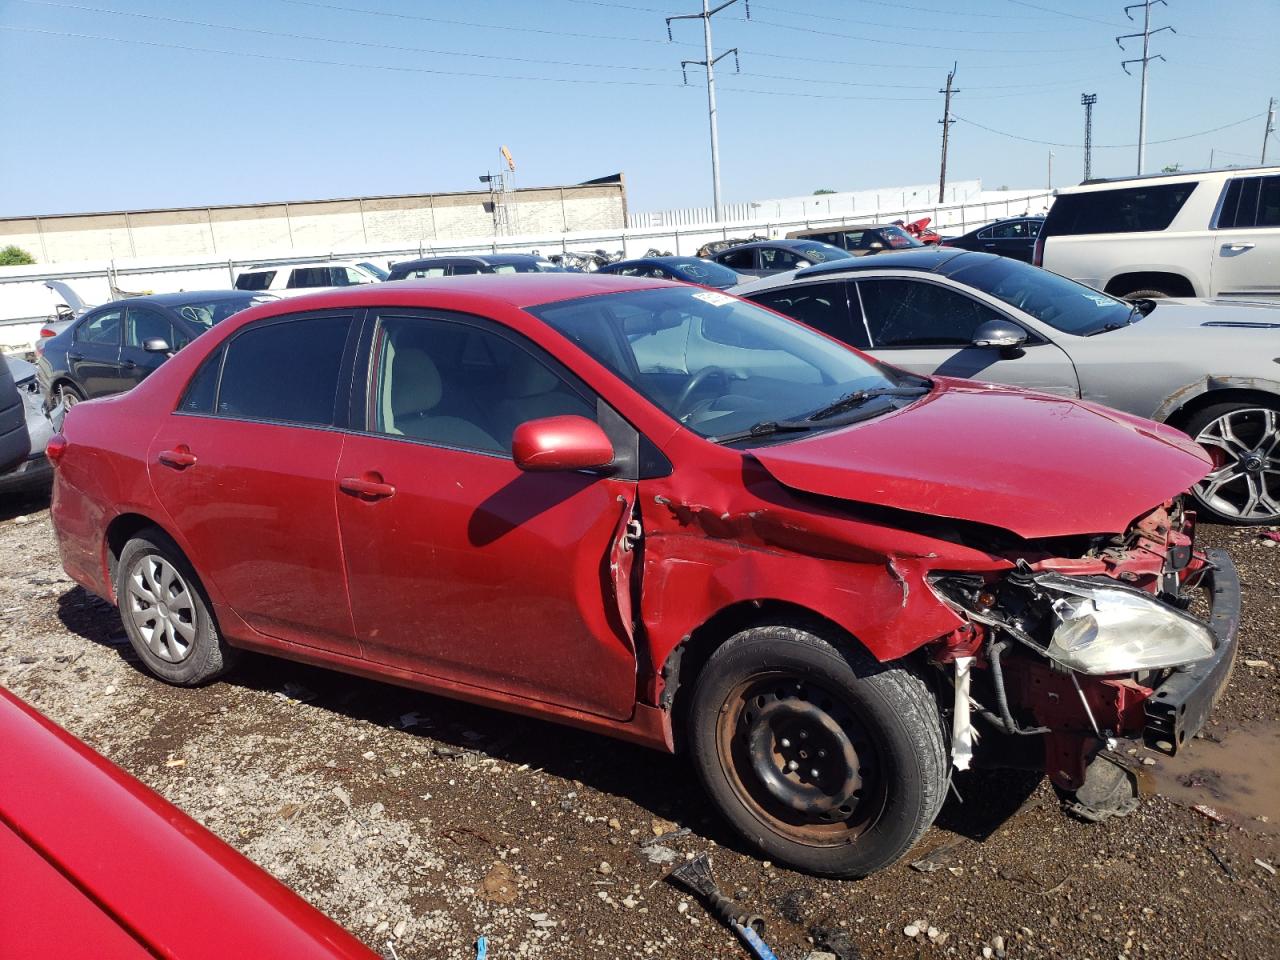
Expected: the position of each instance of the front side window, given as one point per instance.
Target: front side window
(1126, 210)
(717, 364)
(102, 328)
(916, 313)
(771, 258)
(146, 323)
(739, 259)
(1251, 202)
(460, 385)
(347, 277)
(823, 306)
(286, 371)
(463, 268)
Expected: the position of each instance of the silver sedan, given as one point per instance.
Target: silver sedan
(1210, 368)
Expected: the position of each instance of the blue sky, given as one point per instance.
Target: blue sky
(418, 96)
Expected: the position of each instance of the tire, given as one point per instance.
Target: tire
(874, 734)
(180, 644)
(1244, 441)
(1149, 294)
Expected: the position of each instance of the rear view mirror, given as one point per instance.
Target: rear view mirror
(1003, 334)
(560, 443)
(156, 345)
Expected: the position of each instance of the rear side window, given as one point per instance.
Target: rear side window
(823, 306)
(286, 371)
(1128, 210)
(739, 259)
(309, 277)
(1251, 202)
(257, 280)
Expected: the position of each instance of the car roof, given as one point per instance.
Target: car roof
(295, 264)
(928, 259)
(787, 242)
(684, 258)
(471, 292)
(1180, 176)
(187, 296)
(489, 258)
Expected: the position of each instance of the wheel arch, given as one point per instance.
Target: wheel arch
(123, 528)
(1181, 406)
(1175, 284)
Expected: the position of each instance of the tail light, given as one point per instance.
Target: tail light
(48, 332)
(55, 448)
(1037, 252)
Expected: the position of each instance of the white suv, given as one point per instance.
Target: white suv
(1213, 234)
(291, 279)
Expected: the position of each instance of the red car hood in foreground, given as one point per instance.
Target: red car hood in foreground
(94, 865)
(1036, 465)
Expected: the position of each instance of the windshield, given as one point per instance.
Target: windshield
(821, 252)
(205, 313)
(1061, 303)
(717, 364)
(702, 271)
(899, 239)
(526, 266)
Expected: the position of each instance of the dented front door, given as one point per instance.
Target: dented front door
(462, 567)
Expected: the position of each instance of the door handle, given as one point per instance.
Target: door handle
(369, 487)
(1236, 247)
(179, 458)
(75, 356)
(129, 365)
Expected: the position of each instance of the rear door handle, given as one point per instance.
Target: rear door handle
(75, 356)
(1236, 247)
(371, 486)
(179, 458)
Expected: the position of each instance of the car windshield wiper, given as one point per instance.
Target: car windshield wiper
(856, 399)
(764, 428)
(767, 428)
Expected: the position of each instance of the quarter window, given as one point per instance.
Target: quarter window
(914, 313)
(459, 385)
(102, 328)
(286, 371)
(203, 388)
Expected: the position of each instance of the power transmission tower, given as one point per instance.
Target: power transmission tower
(1271, 128)
(710, 63)
(946, 122)
(1146, 58)
(1088, 99)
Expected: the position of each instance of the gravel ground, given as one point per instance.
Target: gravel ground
(420, 823)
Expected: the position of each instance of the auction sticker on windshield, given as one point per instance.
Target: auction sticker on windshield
(713, 298)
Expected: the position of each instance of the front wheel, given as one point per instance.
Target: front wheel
(1244, 441)
(821, 757)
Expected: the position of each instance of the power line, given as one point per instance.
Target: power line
(1103, 146)
(1145, 59)
(915, 45)
(1060, 13)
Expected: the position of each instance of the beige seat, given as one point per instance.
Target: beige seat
(414, 392)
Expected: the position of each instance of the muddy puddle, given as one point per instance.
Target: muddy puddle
(1235, 771)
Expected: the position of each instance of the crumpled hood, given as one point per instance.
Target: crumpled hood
(1033, 464)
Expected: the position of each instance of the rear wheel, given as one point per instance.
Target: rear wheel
(1244, 441)
(823, 759)
(68, 395)
(165, 613)
(1149, 294)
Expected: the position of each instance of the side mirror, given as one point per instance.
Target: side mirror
(156, 345)
(560, 443)
(1003, 334)
(877, 245)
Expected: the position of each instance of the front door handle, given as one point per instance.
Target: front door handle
(129, 365)
(369, 487)
(179, 458)
(1236, 247)
(75, 356)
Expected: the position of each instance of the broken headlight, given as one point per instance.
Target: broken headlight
(1113, 629)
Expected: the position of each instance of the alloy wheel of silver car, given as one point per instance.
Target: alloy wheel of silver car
(1245, 485)
(162, 608)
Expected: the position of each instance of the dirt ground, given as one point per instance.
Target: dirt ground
(419, 823)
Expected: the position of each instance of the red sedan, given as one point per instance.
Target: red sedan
(669, 515)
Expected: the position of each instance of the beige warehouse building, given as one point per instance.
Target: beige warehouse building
(311, 226)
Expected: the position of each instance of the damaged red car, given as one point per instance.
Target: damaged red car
(672, 516)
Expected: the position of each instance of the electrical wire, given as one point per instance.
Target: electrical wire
(1103, 146)
(1063, 13)
(901, 43)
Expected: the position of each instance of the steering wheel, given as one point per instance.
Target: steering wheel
(695, 382)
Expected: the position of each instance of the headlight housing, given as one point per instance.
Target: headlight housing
(1113, 629)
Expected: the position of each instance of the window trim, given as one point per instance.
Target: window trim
(341, 410)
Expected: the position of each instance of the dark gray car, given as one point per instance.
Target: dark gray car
(1206, 367)
(763, 258)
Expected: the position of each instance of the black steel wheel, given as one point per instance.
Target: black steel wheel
(820, 756)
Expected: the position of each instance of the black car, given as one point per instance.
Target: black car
(764, 258)
(687, 269)
(15, 443)
(1015, 237)
(457, 266)
(862, 241)
(113, 347)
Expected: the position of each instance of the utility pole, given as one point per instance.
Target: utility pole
(710, 63)
(1271, 127)
(1088, 99)
(1050, 170)
(946, 122)
(1146, 58)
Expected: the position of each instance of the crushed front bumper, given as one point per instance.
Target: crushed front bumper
(1178, 708)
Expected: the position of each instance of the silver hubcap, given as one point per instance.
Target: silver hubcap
(162, 608)
(1247, 485)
